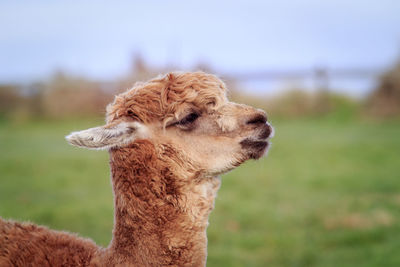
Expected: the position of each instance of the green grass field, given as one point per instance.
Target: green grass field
(328, 194)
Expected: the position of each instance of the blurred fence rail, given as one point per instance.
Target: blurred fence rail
(321, 76)
(287, 74)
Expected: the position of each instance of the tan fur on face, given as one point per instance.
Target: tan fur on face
(166, 99)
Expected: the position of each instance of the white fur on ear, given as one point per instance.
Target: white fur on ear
(108, 136)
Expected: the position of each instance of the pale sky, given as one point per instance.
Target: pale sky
(98, 38)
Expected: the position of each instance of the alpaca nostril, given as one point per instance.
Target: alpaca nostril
(267, 132)
(258, 119)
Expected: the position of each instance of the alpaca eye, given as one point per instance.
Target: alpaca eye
(189, 118)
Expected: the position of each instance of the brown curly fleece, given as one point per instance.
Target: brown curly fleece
(162, 199)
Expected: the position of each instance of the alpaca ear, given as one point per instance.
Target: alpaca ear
(108, 136)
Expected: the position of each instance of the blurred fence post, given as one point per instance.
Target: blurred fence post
(321, 81)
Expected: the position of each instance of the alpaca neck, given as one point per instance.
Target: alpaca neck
(160, 219)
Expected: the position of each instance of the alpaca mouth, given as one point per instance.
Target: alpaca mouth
(256, 146)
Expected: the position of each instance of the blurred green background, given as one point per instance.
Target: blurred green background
(328, 194)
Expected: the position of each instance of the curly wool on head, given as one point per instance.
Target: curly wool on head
(143, 101)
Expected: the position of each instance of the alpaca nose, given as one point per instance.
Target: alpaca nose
(258, 119)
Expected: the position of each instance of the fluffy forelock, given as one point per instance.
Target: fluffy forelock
(163, 97)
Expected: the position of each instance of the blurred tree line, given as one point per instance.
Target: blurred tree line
(382, 102)
(65, 95)
(385, 99)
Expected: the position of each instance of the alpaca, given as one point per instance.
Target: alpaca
(169, 140)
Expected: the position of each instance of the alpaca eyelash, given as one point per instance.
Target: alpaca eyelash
(130, 113)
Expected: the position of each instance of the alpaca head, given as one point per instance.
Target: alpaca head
(188, 112)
